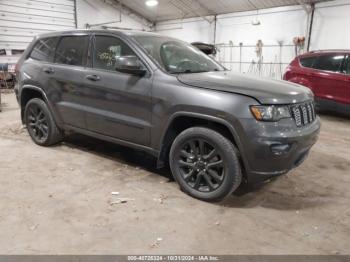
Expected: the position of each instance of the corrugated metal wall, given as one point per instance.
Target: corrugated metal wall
(21, 20)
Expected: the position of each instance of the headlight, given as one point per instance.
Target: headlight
(270, 113)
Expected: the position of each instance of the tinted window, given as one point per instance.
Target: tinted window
(347, 67)
(329, 62)
(307, 61)
(71, 50)
(107, 49)
(44, 49)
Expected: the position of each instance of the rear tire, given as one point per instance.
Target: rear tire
(40, 123)
(205, 164)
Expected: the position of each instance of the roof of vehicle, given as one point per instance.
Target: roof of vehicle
(117, 31)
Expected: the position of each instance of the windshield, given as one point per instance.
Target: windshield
(177, 56)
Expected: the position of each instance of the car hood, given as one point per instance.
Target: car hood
(266, 91)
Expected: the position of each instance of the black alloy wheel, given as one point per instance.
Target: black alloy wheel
(37, 123)
(201, 165)
(205, 164)
(40, 123)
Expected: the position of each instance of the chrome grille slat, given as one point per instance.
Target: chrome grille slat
(303, 114)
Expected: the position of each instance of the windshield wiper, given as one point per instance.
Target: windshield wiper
(189, 72)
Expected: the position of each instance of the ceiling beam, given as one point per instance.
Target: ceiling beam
(181, 4)
(184, 12)
(129, 11)
(203, 6)
(305, 6)
(252, 5)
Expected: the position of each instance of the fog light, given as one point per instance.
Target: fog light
(280, 149)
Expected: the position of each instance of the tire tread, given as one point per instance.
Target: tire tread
(55, 134)
(227, 147)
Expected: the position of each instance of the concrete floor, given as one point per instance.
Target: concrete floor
(58, 201)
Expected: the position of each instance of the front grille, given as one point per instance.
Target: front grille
(304, 113)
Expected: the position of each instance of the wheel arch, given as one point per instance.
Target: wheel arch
(29, 92)
(184, 120)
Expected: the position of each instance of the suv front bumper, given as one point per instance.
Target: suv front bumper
(274, 148)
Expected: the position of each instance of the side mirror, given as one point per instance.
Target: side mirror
(130, 65)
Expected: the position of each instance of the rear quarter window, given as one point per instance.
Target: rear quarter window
(307, 61)
(44, 49)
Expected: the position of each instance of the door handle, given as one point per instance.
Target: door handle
(48, 70)
(93, 77)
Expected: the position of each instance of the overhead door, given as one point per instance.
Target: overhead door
(21, 20)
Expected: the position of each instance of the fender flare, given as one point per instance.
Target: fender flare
(218, 120)
(47, 101)
(32, 87)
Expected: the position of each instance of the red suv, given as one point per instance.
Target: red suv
(327, 74)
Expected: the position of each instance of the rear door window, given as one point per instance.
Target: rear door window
(72, 50)
(329, 62)
(307, 61)
(44, 49)
(107, 50)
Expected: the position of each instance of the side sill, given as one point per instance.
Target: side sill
(146, 149)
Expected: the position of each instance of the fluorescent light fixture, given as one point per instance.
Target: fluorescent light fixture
(152, 3)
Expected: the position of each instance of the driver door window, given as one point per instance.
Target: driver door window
(107, 50)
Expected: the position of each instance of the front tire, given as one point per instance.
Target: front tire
(40, 123)
(205, 164)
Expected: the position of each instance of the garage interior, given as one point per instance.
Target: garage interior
(87, 196)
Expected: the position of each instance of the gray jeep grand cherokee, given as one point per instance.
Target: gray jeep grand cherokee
(164, 96)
